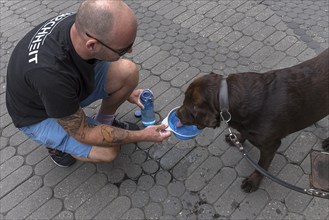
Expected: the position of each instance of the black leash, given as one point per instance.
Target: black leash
(226, 117)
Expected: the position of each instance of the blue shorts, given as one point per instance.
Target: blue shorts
(51, 134)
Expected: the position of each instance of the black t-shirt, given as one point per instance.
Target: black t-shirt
(46, 78)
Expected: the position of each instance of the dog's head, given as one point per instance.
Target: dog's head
(200, 106)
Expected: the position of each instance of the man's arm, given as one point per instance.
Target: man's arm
(104, 135)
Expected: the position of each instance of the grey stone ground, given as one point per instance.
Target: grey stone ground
(195, 179)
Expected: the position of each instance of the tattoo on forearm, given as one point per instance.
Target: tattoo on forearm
(113, 135)
(73, 123)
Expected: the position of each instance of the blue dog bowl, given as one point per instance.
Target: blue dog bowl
(184, 132)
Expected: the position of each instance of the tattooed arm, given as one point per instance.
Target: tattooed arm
(104, 135)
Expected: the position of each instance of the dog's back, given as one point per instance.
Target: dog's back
(298, 96)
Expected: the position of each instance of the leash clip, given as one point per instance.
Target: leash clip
(226, 116)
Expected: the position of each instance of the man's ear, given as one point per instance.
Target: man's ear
(91, 44)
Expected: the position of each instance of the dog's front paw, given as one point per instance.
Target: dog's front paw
(325, 145)
(251, 183)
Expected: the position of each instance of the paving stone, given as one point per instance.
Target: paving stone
(145, 182)
(20, 193)
(134, 213)
(10, 166)
(206, 211)
(127, 187)
(201, 25)
(240, 43)
(189, 163)
(157, 151)
(275, 38)
(273, 59)
(67, 185)
(286, 62)
(97, 202)
(128, 149)
(174, 155)
(211, 29)
(84, 191)
(185, 77)
(158, 193)
(150, 166)
(317, 209)
(167, 96)
(253, 28)
(172, 206)
(27, 147)
(15, 179)
(231, 199)
(262, 54)
(306, 55)
(231, 157)
(303, 144)
(37, 155)
(251, 48)
(6, 154)
(140, 198)
(30, 204)
(291, 174)
(218, 184)
(138, 157)
(165, 65)
(153, 211)
(296, 202)
(273, 210)
(155, 59)
(115, 209)
(229, 39)
(202, 175)
(291, 215)
(250, 207)
(218, 146)
(186, 214)
(176, 188)
(4, 121)
(243, 23)
(47, 211)
(222, 32)
(58, 174)
(163, 178)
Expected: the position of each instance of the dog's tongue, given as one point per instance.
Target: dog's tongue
(179, 124)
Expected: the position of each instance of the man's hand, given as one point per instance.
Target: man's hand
(134, 98)
(157, 133)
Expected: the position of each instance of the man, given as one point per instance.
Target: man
(61, 66)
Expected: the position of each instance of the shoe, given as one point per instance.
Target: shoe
(60, 158)
(125, 125)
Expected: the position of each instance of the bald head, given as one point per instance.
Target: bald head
(103, 17)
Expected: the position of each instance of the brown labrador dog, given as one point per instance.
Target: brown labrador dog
(265, 107)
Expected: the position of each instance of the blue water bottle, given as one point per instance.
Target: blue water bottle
(148, 116)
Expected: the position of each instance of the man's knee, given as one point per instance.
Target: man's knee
(126, 71)
(104, 154)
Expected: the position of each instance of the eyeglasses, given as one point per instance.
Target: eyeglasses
(120, 52)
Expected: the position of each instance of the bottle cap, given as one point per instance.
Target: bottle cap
(138, 113)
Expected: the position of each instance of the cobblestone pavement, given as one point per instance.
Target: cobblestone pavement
(194, 179)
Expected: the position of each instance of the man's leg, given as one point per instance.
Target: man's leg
(100, 154)
(58, 141)
(121, 80)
